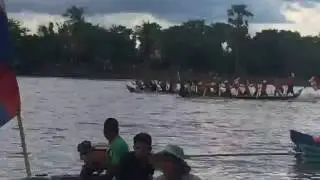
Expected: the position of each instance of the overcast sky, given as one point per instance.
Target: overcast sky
(300, 15)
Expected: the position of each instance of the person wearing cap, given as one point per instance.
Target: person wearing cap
(171, 162)
(136, 164)
(118, 147)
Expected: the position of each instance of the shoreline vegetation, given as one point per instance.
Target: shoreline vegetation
(162, 75)
(77, 48)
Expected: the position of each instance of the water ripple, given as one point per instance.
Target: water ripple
(59, 113)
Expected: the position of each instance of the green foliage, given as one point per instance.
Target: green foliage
(77, 46)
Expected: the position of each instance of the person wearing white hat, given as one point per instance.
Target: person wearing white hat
(171, 162)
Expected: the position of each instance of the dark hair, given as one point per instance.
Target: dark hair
(111, 124)
(85, 147)
(143, 137)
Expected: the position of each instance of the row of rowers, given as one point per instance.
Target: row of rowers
(240, 88)
(119, 163)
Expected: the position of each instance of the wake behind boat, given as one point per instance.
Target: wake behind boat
(153, 86)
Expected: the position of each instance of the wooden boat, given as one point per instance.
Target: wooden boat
(307, 145)
(272, 98)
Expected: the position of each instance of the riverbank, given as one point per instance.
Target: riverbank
(156, 74)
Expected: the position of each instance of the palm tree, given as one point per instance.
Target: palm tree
(148, 35)
(75, 26)
(238, 17)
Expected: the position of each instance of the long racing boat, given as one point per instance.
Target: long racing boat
(272, 98)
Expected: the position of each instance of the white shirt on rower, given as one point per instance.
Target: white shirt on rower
(178, 87)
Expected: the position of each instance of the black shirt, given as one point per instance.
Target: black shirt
(132, 168)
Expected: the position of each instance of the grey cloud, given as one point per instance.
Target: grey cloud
(266, 11)
(305, 3)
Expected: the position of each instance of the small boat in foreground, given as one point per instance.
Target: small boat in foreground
(307, 145)
(271, 98)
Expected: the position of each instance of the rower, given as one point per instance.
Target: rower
(236, 84)
(258, 90)
(159, 88)
(187, 87)
(247, 91)
(193, 87)
(139, 84)
(228, 89)
(162, 86)
(222, 88)
(242, 90)
(290, 84)
(167, 86)
(264, 88)
(314, 83)
(178, 87)
(171, 86)
(153, 86)
(278, 89)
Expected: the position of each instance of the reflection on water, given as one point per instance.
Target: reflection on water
(305, 170)
(59, 113)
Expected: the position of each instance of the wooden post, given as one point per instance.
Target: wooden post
(24, 146)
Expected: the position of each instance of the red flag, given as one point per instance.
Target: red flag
(9, 90)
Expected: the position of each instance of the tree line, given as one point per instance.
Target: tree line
(79, 46)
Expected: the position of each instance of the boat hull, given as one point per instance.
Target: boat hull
(271, 98)
(305, 144)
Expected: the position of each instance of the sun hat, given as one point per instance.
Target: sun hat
(175, 151)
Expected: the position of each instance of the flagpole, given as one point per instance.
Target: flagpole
(24, 146)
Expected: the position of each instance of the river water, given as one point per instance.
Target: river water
(59, 113)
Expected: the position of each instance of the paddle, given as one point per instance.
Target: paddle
(246, 154)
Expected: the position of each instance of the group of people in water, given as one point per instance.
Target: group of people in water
(139, 164)
(217, 87)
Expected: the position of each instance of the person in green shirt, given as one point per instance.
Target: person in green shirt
(118, 147)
